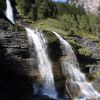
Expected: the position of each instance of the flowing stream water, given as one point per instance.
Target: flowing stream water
(70, 67)
(9, 11)
(44, 64)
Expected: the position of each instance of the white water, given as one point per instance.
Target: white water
(70, 67)
(44, 64)
(9, 12)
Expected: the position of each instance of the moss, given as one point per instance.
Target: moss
(98, 74)
(88, 35)
(84, 51)
(98, 46)
(50, 36)
(50, 25)
(73, 42)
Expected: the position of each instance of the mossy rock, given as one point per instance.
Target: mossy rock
(98, 47)
(4, 24)
(7, 26)
(84, 51)
(50, 36)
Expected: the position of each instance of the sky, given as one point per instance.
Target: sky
(60, 0)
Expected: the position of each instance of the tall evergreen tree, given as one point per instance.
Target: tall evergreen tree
(47, 9)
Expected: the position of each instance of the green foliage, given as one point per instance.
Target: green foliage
(84, 51)
(88, 35)
(47, 9)
(73, 10)
(32, 13)
(65, 8)
(2, 5)
(50, 25)
(68, 17)
(98, 74)
(83, 23)
(34, 9)
(23, 6)
(61, 8)
(44, 10)
(68, 22)
(98, 47)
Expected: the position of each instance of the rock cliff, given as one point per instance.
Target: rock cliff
(19, 69)
(91, 6)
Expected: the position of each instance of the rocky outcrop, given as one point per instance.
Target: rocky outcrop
(88, 51)
(89, 58)
(91, 6)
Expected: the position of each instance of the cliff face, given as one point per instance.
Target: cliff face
(14, 84)
(19, 69)
(91, 6)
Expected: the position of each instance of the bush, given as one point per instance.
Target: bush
(47, 9)
(84, 51)
(68, 22)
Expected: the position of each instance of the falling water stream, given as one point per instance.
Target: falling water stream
(9, 11)
(44, 64)
(70, 67)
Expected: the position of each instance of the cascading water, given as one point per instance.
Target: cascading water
(44, 64)
(70, 67)
(9, 12)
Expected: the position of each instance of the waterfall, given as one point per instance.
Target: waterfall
(75, 79)
(9, 12)
(44, 64)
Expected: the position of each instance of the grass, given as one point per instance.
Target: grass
(55, 25)
(50, 25)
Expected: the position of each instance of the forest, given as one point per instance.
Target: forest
(70, 17)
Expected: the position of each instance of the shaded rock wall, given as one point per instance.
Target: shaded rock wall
(14, 84)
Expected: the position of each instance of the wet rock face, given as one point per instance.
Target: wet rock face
(18, 67)
(92, 46)
(13, 41)
(14, 84)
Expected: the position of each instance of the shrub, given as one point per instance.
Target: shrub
(84, 51)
